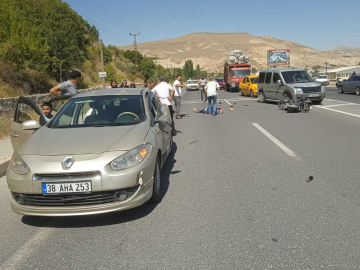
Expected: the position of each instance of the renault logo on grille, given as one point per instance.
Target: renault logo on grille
(67, 163)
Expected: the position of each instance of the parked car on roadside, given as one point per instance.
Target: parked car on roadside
(249, 86)
(103, 151)
(192, 85)
(351, 85)
(220, 81)
(289, 84)
(323, 79)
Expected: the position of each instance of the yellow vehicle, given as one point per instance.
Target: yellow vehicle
(248, 86)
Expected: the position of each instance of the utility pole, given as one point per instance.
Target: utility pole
(135, 48)
(102, 62)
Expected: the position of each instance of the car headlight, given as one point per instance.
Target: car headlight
(131, 158)
(322, 89)
(17, 165)
(255, 88)
(298, 90)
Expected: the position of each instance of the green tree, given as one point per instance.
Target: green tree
(131, 55)
(358, 64)
(188, 69)
(253, 70)
(147, 68)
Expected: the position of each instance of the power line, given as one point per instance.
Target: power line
(99, 26)
(100, 18)
(126, 27)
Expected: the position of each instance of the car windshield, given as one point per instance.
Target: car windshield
(240, 72)
(296, 76)
(192, 82)
(254, 80)
(98, 111)
(220, 80)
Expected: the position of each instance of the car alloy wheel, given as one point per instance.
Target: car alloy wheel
(357, 91)
(341, 91)
(286, 98)
(156, 196)
(240, 92)
(252, 94)
(261, 97)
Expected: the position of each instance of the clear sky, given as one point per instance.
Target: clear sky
(320, 24)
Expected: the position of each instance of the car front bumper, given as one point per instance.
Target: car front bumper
(321, 96)
(140, 176)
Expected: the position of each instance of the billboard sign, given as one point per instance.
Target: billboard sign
(102, 74)
(278, 57)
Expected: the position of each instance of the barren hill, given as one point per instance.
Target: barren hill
(210, 49)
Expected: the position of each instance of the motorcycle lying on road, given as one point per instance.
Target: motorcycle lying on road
(300, 105)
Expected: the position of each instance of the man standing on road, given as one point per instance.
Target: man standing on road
(177, 97)
(210, 90)
(165, 93)
(69, 87)
(202, 83)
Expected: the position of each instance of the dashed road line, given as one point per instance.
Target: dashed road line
(339, 105)
(228, 102)
(282, 146)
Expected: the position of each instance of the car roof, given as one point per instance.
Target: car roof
(281, 70)
(252, 76)
(113, 91)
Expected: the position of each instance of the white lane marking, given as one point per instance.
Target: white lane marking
(340, 101)
(228, 102)
(22, 254)
(351, 114)
(183, 93)
(339, 105)
(282, 146)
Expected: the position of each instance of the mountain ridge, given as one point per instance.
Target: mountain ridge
(209, 50)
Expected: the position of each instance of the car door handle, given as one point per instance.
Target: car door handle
(14, 134)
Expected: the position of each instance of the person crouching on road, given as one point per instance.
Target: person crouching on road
(202, 83)
(210, 90)
(177, 97)
(205, 110)
(68, 88)
(165, 93)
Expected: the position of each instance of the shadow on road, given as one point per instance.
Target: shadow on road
(110, 218)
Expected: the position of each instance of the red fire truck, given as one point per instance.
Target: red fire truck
(233, 75)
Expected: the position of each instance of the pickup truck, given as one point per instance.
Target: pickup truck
(323, 79)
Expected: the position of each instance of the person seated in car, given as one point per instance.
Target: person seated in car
(46, 108)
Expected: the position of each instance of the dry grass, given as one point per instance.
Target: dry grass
(7, 91)
(5, 122)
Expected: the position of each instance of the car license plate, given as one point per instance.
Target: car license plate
(313, 95)
(49, 188)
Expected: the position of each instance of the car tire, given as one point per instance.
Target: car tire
(240, 92)
(261, 96)
(156, 195)
(286, 97)
(341, 90)
(357, 91)
(252, 94)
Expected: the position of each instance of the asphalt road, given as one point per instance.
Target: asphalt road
(236, 196)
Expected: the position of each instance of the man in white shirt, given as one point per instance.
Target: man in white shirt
(165, 93)
(177, 97)
(202, 83)
(210, 90)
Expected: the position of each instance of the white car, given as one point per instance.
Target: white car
(323, 79)
(192, 85)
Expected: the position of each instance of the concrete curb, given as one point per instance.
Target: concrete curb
(3, 166)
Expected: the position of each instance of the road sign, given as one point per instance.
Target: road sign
(278, 57)
(102, 74)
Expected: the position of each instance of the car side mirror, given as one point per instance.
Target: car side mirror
(30, 124)
(279, 82)
(164, 126)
